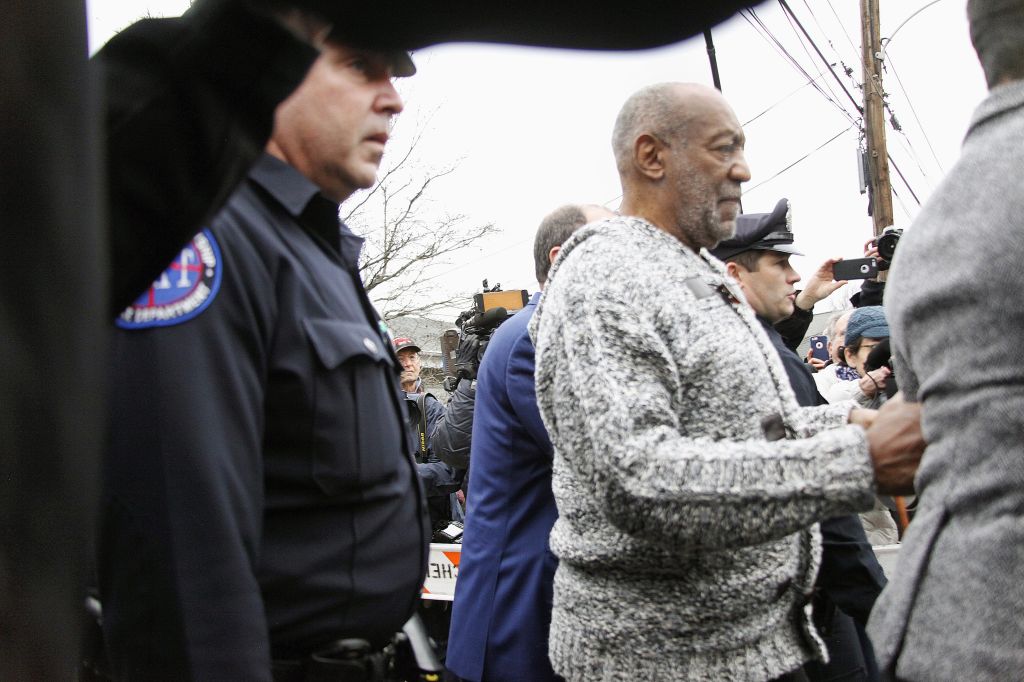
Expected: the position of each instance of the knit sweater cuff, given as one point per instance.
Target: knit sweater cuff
(580, 655)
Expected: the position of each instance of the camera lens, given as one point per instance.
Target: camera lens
(887, 245)
(864, 269)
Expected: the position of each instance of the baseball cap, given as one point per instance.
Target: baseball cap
(403, 342)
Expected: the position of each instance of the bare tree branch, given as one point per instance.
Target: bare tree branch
(409, 241)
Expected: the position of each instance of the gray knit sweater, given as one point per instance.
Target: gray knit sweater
(686, 540)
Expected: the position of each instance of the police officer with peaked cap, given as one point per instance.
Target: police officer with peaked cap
(261, 501)
(774, 232)
(850, 578)
(761, 232)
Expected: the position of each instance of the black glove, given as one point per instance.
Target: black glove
(468, 355)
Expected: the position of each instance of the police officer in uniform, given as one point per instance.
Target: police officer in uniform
(850, 578)
(261, 501)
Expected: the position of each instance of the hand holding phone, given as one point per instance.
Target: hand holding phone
(819, 347)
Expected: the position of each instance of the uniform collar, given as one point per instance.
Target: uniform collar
(288, 186)
(302, 199)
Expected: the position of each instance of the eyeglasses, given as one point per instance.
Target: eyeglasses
(866, 346)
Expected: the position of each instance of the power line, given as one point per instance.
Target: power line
(908, 145)
(910, 189)
(802, 158)
(855, 51)
(822, 30)
(905, 143)
(914, 112)
(785, 7)
(619, 196)
(803, 44)
(789, 11)
(605, 204)
(903, 206)
(897, 128)
(759, 26)
(842, 27)
(745, 124)
(468, 263)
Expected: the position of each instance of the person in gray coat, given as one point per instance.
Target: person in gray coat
(953, 610)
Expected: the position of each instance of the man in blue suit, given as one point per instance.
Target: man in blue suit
(502, 607)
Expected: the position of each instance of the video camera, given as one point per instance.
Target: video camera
(869, 267)
(887, 242)
(463, 348)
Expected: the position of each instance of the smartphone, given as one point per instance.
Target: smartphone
(819, 347)
(855, 268)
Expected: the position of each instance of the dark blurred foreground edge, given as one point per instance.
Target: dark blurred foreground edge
(57, 269)
(576, 24)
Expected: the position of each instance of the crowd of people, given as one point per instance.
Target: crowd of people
(274, 472)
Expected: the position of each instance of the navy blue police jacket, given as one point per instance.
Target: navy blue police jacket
(261, 499)
(502, 608)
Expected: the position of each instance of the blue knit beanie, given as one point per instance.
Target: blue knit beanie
(869, 322)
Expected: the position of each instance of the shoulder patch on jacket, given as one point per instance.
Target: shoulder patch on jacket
(184, 290)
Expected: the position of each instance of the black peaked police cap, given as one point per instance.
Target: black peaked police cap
(760, 232)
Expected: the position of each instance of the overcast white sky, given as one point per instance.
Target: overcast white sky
(532, 126)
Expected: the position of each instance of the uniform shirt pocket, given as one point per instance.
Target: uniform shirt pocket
(357, 433)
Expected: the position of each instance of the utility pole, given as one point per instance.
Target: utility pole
(874, 118)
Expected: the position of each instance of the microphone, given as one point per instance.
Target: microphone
(489, 318)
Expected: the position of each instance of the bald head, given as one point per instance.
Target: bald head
(662, 110)
(679, 152)
(653, 109)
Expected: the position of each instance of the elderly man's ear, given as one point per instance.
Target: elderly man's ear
(649, 156)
